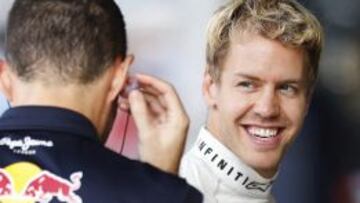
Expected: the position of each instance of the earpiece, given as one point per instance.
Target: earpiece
(131, 84)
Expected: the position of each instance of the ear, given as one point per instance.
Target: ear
(119, 77)
(5, 80)
(210, 90)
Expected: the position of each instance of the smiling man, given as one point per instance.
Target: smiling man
(262, 64)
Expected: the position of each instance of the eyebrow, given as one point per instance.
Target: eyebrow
(252, 77)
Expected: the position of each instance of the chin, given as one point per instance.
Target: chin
(266, 164)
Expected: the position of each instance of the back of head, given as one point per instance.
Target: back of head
(285, 21)
(64, 41)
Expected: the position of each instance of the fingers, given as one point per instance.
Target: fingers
(153, 102)
(155, 106)
(123, 103)
(161, 121)
(139, 109)
(146, 110)
(163, 90)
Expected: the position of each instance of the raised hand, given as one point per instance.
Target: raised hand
(161, 121)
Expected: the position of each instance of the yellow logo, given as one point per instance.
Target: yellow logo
(25, 182)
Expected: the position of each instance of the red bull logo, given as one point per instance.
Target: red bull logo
(26, 183)
(5, 183)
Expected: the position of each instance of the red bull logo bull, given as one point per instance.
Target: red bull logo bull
(5, 183)
(26, 183)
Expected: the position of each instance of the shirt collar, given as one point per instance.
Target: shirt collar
(229, 168)
(47, 118)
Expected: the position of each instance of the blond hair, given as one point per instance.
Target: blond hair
(283, 20)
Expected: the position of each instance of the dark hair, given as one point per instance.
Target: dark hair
(71, 41)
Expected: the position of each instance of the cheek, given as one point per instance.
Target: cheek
(234, 106)
(295, 111)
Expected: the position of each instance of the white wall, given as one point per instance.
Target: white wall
(167, 38)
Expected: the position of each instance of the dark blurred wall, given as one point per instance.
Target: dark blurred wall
(323, 165)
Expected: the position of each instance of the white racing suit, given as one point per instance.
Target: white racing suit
(221, 176)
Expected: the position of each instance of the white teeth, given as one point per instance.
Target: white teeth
(263, 132)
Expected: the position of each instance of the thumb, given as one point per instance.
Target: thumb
(139, 110)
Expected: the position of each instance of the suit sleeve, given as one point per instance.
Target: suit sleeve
(192, 195)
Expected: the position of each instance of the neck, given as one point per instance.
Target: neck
(80, 98)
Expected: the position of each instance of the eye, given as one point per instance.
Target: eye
(288, 89)
(246, 85)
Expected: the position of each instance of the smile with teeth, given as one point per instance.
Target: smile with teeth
(263, 132)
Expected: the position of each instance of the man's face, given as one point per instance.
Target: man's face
(259, 104)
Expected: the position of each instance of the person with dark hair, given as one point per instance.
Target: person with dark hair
(66, 63)
(262, 60)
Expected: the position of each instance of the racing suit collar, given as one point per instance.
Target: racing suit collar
(230, 169)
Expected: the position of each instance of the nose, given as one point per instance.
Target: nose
(267, 104)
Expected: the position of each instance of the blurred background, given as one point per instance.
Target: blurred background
(323, 166)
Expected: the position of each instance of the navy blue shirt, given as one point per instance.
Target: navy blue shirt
(53, 154)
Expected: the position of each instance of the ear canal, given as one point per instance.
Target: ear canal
(213, 93)
(214, 106)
